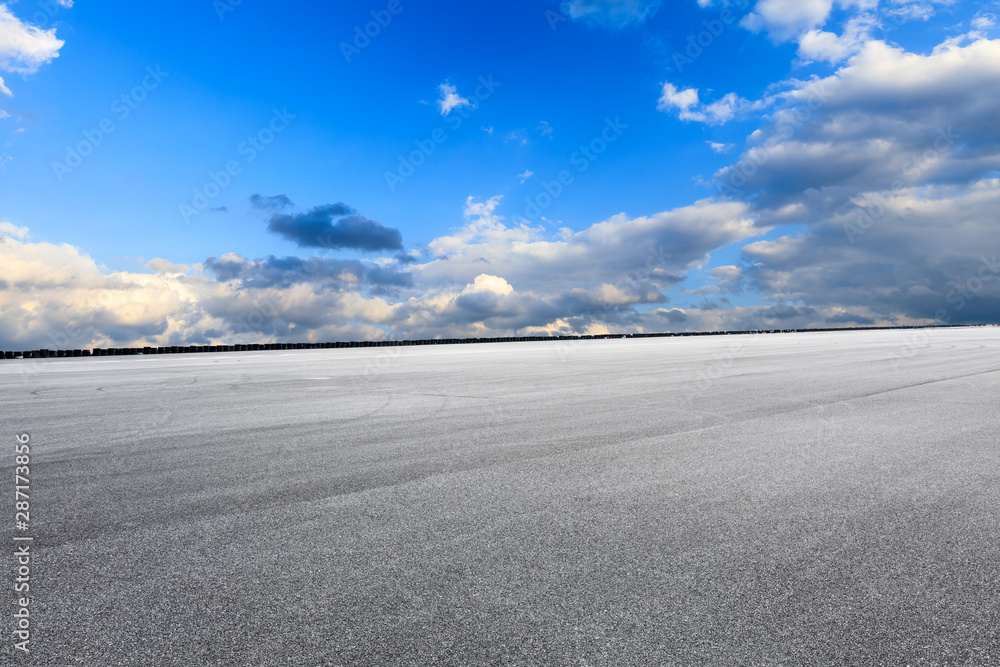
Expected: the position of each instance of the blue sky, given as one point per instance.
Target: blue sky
(192, 172)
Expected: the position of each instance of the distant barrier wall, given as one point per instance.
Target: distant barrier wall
(260, 347)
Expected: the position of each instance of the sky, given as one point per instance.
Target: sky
(230, 171)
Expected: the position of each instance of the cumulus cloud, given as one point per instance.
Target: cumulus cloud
(673, 98)
(335, 226)
(24, 47)
(487, 278)
(689, 107)
(927, 258)
(889, 170)
(890, 164)
(888, 115)
(12, 230)
(785, 20)
(805, 23)
(56, 296)
(274, 271)
(646, 254)
(821, 45)
(160, 265)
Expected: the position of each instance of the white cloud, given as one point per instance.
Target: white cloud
(891, 165)
(526, 175)
(55, 296)
(665, 245)
(720, 148)
(449, 99)
(784, 20)
(915, 9)
(672, 98)
(878, 119)
(12, 230)
(688, 106)
(24, 47)
(160, 265)
(832, 48)
(487, 283)
(722, 110)
(984, 22)
(909, 140)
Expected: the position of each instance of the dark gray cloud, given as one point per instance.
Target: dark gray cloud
(270, 203)
(849, 318)
(335, 226)
(274, 271)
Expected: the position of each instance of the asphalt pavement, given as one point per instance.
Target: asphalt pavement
(786, 499)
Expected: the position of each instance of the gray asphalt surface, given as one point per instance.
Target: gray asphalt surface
(795, 499)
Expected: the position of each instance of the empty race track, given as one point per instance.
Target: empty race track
(789, 499)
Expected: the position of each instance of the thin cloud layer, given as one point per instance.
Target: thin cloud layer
(611, 13)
